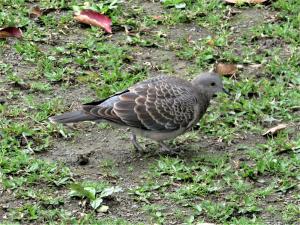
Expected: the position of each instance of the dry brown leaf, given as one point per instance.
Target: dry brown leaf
(275, 129)
(245, 1)
(226, 69)
(35, 12)
(10, 32)
(211, 42)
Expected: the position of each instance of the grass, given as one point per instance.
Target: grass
(253, 180)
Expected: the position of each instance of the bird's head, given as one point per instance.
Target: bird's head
(209, 83)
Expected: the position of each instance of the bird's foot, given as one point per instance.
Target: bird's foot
(138, 148)
(168, 151)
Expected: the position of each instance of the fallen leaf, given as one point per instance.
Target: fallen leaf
(275, 129)
(236, 164)
(158, 17)
(245, 1)
(211, 42)
(226, 69)
(10, 32)
(35, 12)
(189, 39)
(103, 209)
(94, 18)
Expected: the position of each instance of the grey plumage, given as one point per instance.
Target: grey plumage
(160, 108)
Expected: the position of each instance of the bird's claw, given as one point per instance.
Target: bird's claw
(168, 151)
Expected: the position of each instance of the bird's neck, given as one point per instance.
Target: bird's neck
(203, 97)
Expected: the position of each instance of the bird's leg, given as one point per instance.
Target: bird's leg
(136, 145)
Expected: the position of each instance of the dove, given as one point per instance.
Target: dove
(160, 108)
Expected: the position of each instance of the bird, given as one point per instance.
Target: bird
(160, 108)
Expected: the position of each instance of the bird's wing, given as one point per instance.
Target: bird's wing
(152, 105)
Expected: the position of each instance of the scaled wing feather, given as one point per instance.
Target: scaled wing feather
(162, 103)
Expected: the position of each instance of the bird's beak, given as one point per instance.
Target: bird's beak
(225, 91)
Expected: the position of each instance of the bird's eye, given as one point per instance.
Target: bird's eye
(213, 84)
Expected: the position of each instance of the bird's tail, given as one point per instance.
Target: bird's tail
(72, 117)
